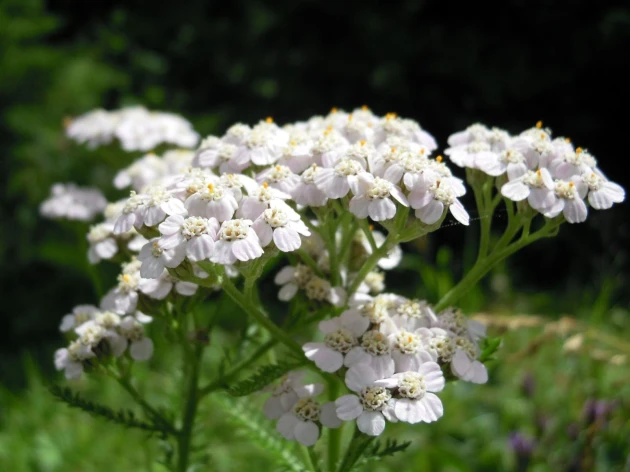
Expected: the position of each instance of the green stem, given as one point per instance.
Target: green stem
(334, 435)
(190, 408)
(260, 317)
(485, 208)
(371, 262)
(148, 409)
(309, 261)
(485, 265)
(308, 461)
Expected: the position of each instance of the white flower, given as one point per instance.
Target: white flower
(475, 132)
(300, 422)
(321, 290)
(196, 235)
(149, 209)
(602, 193)
(291, 279)
(212, 200)
(340, 338)
(329, 148)
(298, 155)
(536, 186)
(509, 160)
(568, 201)
(94, 128)
(123, 298)
(283, 395)
(160, 287)
(237, 242)
(467, 368)
(373, 404)
(283, 225)
(417, 402)
(80, 314)
(336, 182)
(411, 315)
(279, 177)
(567, 163)
(141, 173)
(73, 203)
(140, 347)
(259, 199)
(306, 192)
(155, 258)
(71, 360)
(470, 155)
(215, 153)
(264, 144)
(429, 196)
(102, 243)
(373, 198)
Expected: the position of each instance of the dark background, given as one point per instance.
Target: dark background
(444, 64)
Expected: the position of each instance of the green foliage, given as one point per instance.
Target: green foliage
(378, 451)
(263, 377)
(488, 347)
(122, 417)
(247, 417)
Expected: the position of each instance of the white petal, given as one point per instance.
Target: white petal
(67, 323)
(430, 213)
(409, 411)
(200, 248)
(248, 248)
(186, 289)
(285, 275)
(141, 350)
(357, 355)
(360, 376)
(433, 407)
(328, 416)
(383, 366)
(306, 433)
(264, 231)
(382, 209)
(355, 322)
(287, 292)
(152, 267)
(348, 407)
(359, 206)
(575, 211)
(324, 357)
(515, 191)
(286, 426)
(223, 253)
(273, 408)
(286, 239)
(460, 214)
(171, 225)
(371, 423)
(433, 376)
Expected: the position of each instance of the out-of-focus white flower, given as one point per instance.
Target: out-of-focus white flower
(291, 279)
(103, 245)
(67, 201)
(80, 314)
(148, 208)
(283, 395)
(140, 346)
(71, 360)
(373, 198)
(94, 128)
(123, 298)
(160, 287)
(319, 289)
(264, 144)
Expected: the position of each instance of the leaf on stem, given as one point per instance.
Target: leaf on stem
(122, 417)
(263, 377)
(488, 348)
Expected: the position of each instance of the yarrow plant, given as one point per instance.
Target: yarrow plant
(326, 202)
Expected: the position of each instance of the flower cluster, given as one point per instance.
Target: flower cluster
(554, 176)
(299, 415)
(137, 129)
(97, 334)
(67, 201)
(394, 352)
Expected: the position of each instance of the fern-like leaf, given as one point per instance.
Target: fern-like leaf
(488, 348)
(250, 420)
(122, 417)
(378, 451)
(263, 377)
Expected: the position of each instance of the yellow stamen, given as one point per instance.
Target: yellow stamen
(364, 108)
(539, 124)
(539, 173)
(350, 117)
(568, 140)
(211, 187)
(278, 168)
(571, 184)
(269, 120)
(334, 110)
(393, 149)
(265, 184)
(579, 150)
(126, 278)
(439, 158)
(371, 227)
(362, 142)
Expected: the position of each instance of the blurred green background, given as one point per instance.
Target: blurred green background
(443, 64)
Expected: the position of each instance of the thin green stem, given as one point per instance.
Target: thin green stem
(309, 261)
(190, 408)
(365, 227)
(148, 409)
(485, 265)
(334, 435)
(308, 460)
(260, 317)
(371, 262)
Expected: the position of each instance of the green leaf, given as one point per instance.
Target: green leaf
(263, 377)
(378, 451)
(249, 419)
(123, 417)
(488, 348)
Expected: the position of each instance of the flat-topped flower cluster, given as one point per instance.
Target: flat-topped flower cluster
(553, 175)
(311, 191)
